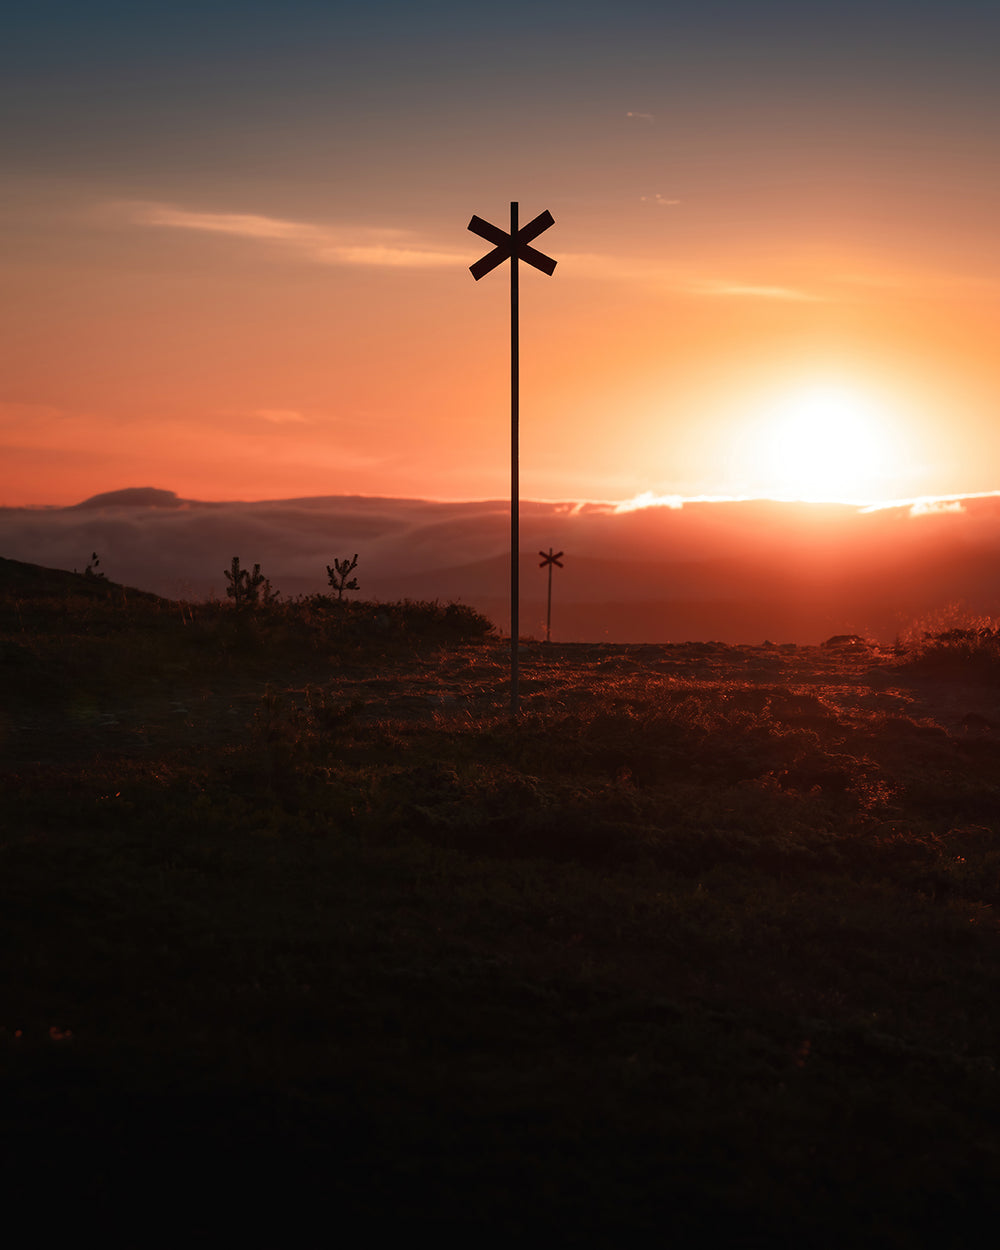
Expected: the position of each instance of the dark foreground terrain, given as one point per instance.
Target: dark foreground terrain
(299, 926)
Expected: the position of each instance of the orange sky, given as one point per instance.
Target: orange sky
(242, 271)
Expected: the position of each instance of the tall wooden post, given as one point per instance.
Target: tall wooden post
(515, 485)
(514, 246)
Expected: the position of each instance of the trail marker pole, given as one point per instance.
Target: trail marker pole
(513, 246)
(549, 560)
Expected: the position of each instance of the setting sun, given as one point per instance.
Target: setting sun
(211, 311)
(824, 443)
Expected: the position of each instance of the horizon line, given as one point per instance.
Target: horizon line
(642, 501)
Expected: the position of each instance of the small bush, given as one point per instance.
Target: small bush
(449, 622)
(340, 572)
(971, 652)
(246, 589)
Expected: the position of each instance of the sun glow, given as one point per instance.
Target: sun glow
(826, 443)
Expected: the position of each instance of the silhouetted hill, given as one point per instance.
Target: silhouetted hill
(31, 581)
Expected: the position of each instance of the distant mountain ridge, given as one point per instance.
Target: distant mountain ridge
(133, 497)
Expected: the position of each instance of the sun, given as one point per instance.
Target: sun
(826, 443)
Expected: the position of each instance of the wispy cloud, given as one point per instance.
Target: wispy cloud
(648, 500)
(749, 290)
(329, 245)
(929, 283)
(390, 248)
(927, 507)
(280, 416)
(930, 505)
(642, 117)
(624, 269)
(659, 200)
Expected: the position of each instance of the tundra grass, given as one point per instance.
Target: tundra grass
(670, 956)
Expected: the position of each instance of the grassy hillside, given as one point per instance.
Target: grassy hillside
(299, 923)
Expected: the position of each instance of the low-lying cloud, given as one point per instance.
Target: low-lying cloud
(656, 569)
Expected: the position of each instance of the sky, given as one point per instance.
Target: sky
(234, 249)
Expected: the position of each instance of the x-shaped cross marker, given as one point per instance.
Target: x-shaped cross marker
(505, 246)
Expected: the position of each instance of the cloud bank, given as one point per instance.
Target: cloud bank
(660, 569)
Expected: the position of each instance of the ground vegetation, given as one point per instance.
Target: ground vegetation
(301, 924)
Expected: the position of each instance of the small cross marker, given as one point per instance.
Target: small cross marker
(549, 560)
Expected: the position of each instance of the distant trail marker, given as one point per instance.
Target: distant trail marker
(549, 560)
(513, 246)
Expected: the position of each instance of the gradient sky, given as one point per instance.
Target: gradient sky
(235, 255)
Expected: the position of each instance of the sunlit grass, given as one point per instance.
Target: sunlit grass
(953, 644)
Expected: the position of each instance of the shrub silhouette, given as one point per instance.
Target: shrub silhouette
(339, 574)
(247, 588)
(972, 653)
